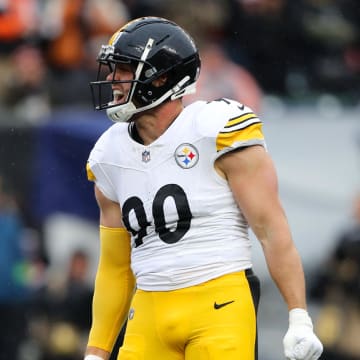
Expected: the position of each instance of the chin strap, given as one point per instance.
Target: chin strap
(190, 89)
(123, 113)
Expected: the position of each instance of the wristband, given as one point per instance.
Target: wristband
(93, 357)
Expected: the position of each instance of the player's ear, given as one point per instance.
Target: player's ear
(160, 81)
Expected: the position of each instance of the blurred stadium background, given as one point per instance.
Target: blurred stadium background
(296, 63)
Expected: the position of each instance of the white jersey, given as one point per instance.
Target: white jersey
(185, 224)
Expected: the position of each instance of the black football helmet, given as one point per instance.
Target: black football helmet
(153, 47)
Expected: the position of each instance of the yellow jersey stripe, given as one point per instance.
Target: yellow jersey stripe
(238, 127)
(252, 132)
(240, 119)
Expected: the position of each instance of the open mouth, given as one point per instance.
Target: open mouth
(118, 97)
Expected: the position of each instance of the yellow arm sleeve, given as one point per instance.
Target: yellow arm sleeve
(113, 290)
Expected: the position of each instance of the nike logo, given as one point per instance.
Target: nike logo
(219, 306)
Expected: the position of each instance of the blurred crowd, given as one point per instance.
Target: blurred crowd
(45, 314)
(292, 49)
(337, 289)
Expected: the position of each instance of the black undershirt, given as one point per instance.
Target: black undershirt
(134, 133)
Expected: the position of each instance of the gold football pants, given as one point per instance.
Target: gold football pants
(215, 320)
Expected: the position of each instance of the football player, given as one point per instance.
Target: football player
(178, 188)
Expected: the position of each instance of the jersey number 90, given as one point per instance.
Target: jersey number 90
(168, 236)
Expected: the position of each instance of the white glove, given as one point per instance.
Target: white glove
(300, 342)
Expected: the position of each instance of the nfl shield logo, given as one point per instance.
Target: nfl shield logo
(146, 156)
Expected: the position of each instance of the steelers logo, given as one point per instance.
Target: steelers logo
(186, 156)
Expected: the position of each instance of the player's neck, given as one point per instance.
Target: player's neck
(152, 125)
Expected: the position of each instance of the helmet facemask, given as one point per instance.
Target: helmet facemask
(102, 90)
(142, 94)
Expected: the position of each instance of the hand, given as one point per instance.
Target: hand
(300, 342)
